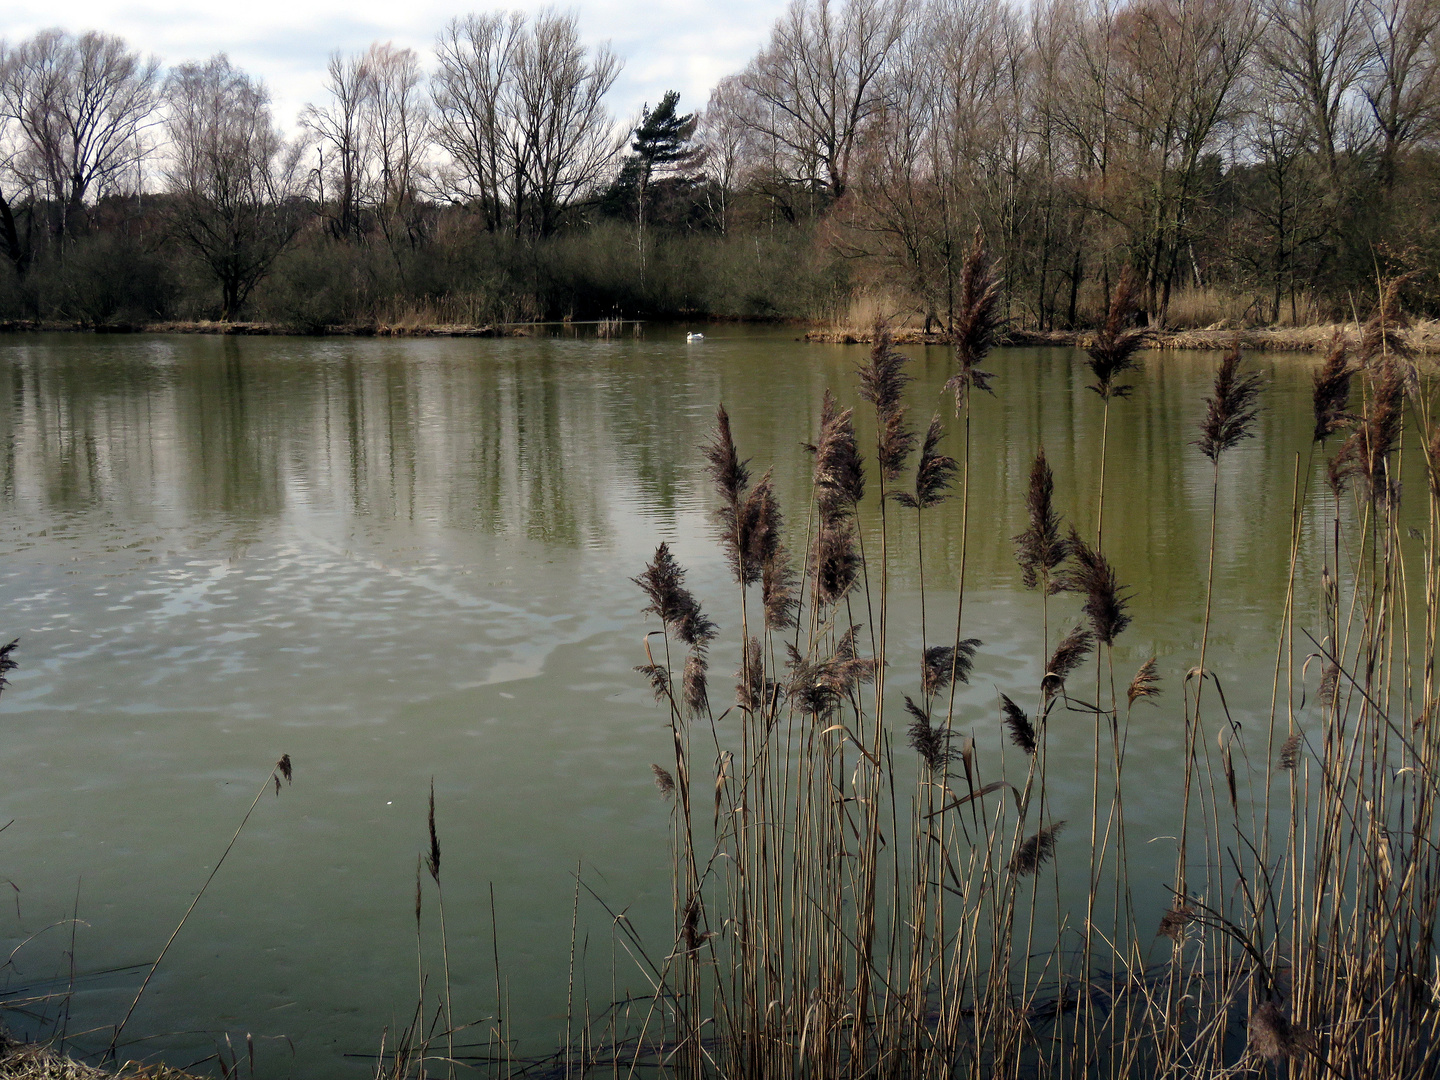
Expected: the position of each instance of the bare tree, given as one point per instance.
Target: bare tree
(556, 104)
(722, 136)
(1316, 52)
(340, 129)
(519, 110)
(476, 57)
(1402, 86)
(397, 123)
(818, 84)
(233, 179)
(80, 106)
(13, 190)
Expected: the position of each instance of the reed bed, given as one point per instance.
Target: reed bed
(860, 889)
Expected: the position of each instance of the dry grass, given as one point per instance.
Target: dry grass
(32, 1061)
(834, 917)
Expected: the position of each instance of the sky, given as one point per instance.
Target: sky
(666, 44)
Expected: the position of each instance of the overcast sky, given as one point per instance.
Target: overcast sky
(666, 44)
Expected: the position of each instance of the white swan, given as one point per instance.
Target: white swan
(694, 337)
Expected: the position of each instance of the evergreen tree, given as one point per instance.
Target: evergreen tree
(662, 141)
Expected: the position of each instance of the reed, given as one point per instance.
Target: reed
(858, 890)
(844, 913)
(282, 768)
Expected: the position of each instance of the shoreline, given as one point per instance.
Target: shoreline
(1423, 337)
(265, 329)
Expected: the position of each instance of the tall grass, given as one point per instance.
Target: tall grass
(858, 891)
(839, 911)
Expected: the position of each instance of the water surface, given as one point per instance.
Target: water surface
(398, 560)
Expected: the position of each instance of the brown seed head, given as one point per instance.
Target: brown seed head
(7, 663)
(1271, 1035)
(1040, 548)
(930, 742)
(1366, 453)
(1331, 389)
(694, 691)
(882, 380)
(1033, 853)
(1022, 732)
(433, 859)
(935, 473)
(839, 469)
(1074, 647)
(1092, 575)
(834, 560)
(1145, 684)
(1174, 921)
(1290, 752)
(1230, 412)
(1113, 351)
(977, 324)
(664, 583)
(942, 663)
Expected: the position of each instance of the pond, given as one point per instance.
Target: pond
(406, 560)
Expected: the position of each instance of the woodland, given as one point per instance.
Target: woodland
(1250, 162)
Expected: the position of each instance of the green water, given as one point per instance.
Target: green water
(398, 560)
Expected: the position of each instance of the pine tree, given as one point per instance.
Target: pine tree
(662, 141)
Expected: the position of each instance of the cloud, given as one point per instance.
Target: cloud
(666, 44)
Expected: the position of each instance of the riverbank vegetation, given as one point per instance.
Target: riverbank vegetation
(880, 869)
(1249, 161)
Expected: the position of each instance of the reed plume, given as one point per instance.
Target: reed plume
(942, 663)
(754, 541)
(932, 743)
(777, 589)
(1382, 336)
(690, 925)
(1271, 1035)
(1074, 647)
(1331, 389)
(814, 688)
(753, 690)
(432, 860)
(977, 324)
(934, 474)
(851, 668)
(693, 686)
(1022, 732)
(1040, 548)
(1329, 680)
(664, 583)
(839, 468)
(1112, 353)
(1230, 412)
(658, 676)
(1034, 852)
(882, 381)
(834, 560)
(1290, 753)
(1145, 684)
(730, 475)
(282, 768)
(1090, 573)
(741, 516)
(1174, 921)
(663, 780)
(766, 558)
(7, 663)
(1366, 453)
